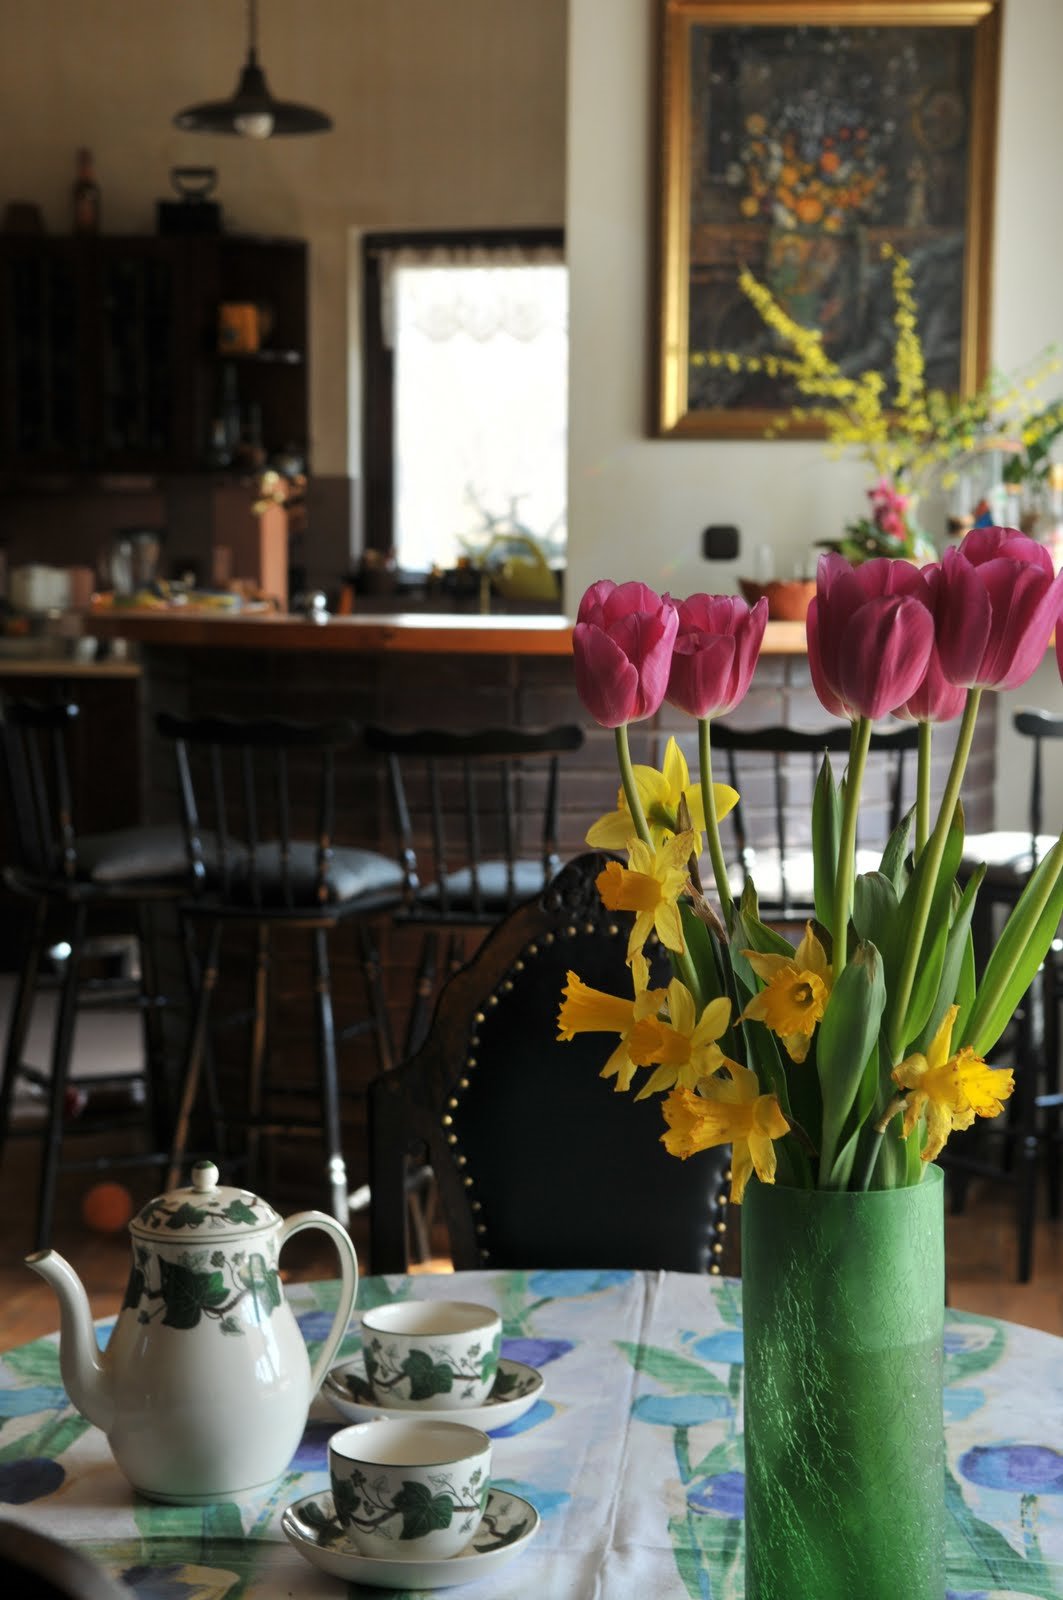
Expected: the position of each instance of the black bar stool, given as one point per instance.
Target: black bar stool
(76, 885)
(258, 799)
(476, 818)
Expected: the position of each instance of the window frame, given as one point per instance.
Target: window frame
(378, 359)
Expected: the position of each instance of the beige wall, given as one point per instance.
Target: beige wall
(637, 504)
(448, 113)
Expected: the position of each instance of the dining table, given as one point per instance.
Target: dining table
(631, 1455)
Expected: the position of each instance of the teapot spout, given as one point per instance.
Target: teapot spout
(86, 1378)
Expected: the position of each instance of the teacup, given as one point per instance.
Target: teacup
(410, 1490)
(431, 1355)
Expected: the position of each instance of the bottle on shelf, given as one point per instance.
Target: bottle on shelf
(86, 195)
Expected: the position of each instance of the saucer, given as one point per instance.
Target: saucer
(508, 1524)
(516, 1389)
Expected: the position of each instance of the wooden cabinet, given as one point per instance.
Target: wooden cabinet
(109, 355)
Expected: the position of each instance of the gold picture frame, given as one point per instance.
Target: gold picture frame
(796, 138)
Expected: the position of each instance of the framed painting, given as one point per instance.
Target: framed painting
(798, 138)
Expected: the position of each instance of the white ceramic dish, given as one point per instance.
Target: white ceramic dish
(517, 1387)
(310, 1525)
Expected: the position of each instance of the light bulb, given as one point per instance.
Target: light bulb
(254, 124)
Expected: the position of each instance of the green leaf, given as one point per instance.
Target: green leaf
(756, 934)
(230, 1325)
(427, 1377)
(676, 1371)
(894, 864)
(1019, 952)
(187, 1294)
(848, 1034)
(966, 987)
(186, 1216)
(826, 837)
(952, 966)
(239, 1211)
(875, 907)
(422, 1511)
(932, 954)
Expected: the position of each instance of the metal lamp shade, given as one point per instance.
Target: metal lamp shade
(252, 112)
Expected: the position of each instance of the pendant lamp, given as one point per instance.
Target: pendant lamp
(252, 111)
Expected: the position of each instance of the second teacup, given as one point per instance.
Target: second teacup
(431, 1355)
(410, 1490)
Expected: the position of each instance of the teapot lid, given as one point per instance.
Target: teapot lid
(204, 1210)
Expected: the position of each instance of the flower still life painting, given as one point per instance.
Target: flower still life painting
(795, 141)
(836, 1065)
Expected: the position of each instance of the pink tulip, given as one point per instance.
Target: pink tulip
(715, 652)
(870, 634)
(996, 607)
(936, 699)
(622, 643)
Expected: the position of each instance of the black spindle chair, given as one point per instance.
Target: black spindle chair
(258, 799)
(476, 817)
(82, 888)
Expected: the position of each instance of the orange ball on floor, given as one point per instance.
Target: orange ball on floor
(106, 1207)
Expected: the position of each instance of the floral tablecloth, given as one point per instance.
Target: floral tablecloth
(633, 1457)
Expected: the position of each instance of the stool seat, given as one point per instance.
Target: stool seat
(489, 891)
(1006, 854)
(154, 854)
(280, 880)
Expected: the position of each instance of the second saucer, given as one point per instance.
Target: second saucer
(516, 1389)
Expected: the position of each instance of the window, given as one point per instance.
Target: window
(466, 395)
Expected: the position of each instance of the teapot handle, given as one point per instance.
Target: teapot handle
(348, 1283)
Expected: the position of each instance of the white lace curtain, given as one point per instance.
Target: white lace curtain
(441, 302)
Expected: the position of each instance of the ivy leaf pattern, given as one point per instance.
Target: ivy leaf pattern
(422, 1511)
(186, 1216)
(239, 1211)
(427, 1377)
(134, 1290)
(188, 1294)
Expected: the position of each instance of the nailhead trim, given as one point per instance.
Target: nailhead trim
(506, 986)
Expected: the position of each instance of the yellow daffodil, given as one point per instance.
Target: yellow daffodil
(660, 793)
(796, 993)
(587, 1010)
(650, 886)
(952, 1089)
(684, 1047)
(727, 1110)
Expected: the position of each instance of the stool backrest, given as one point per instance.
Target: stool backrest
(466, 809)
(250, 792)
(1038, 726)
(33, 742)
(792, 761)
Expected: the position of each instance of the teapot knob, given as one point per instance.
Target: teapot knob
(204, 1176)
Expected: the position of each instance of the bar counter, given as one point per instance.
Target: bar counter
(408, 632)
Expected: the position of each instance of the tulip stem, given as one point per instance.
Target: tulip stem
(922, 792)
(935, 849)
(859, 741)
(631, 788)
(681, 959)
(712, 825)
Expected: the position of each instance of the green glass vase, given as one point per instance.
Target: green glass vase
(843, 1299)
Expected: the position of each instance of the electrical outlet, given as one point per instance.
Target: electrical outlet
(719, 542)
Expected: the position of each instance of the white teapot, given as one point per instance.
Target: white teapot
(204, 1388)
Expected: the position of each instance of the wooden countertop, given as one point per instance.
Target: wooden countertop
(66, 667)
(407, 632)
